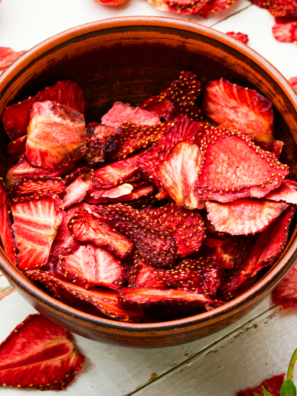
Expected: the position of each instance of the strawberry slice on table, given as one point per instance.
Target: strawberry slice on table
(144, 275)
(285, 29)
(278, 8)
(6, 232)
(214, 6)
(89, 227)
(90, 266)
(56, 135)
(244, 216)
(121, 112)
(183, 7)
(17, 116)
(287, 192)
(39, 354)
(244, 38)
(235, 107)
(38, 184)
(35, 225)
(233, 167)
(7, 57)
(106, 301)
(271, 385)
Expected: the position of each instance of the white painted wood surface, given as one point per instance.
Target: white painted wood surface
(256, 347)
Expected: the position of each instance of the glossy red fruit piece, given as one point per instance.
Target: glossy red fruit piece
(7, 57)
(35, 225)
(233, 167)
(278, 8)
(235, 107)
(244, 38)
(285, 29)
(272, 385)
(214, 6)
(287, 192)
(159, 104)
(88, 227)
(18, 146)
(77, 190)
(16, 117)
(56, 135)
(244, 216)
(39, 354)
(38, 184)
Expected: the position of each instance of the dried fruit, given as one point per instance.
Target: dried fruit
(285, 29)
(16, 117)
(286, 192)
(38, 184)
(112, 3)
(18, 146)
(214, 6)
(272, 385)
(144, 275)
(277, 148)
(235, 107)
(35, 226)
(77, 190)
(293, 82)
(88, 227)
(56, 135)
(7, 57)
(244, 216)
(120, 113)
(39, 354)
(157, 104)
(234, 167)
(278, 8)
(285, 292)
(244, 38)
(183, 7)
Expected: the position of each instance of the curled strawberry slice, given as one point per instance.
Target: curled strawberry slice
(239, 36)
(77, 190)
(287, 192)
(144, 275)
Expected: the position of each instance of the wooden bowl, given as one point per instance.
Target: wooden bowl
(128, 59)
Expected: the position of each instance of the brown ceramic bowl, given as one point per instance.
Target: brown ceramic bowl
(128, 59)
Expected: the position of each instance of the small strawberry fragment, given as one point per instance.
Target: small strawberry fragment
(287, 192)
(144, 275)
(244, 216)
(56, 135)
(38, 184)
(112, 3)
(214, 6)
(293, 82)
(285, 292)
(120, 113)
(277, 148)
(7, 57)
(157, 104)
(183, 7)
(35, 226)
(90, 266)
(244, 38)
(77, 190)
(106, 301)
(235, 107)
(6, 232)
(272, 385)
(18, 146)
(187, 226)
(146, 297)
(285, 29)
(102, 141)
(39, 354)
(234, 167)
(278, 8)
(88, 227)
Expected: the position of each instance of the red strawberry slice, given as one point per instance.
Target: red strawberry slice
(6, 232)
(38, 184)
(244, 38)
(187, 226)
(155, 245)
(235, 107)
(277, 148)
(214, 6)
(272, 386)
(120, 113)
(144, 275)
(77, 190)
(18, 146)
(286, 192)
(35, 226)
(244, 216)
(102, 141)
(146, 297)
(16, 117)
(90, 267)
(285, 292)
(39, 354)
(159, 104)
(278, 8)
(88, 227)
(7, 57)
(234, 167)
(183, 7)
(285, 29)
(106, 301)
(56, 135)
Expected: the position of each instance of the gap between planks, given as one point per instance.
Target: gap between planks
(230, 16)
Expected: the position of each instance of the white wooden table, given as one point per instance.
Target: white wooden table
(256, 347)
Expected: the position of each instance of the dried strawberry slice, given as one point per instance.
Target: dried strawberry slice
(6, 232)
(77, 190)
(235, 107)
(87, 227)
(56, 135)
(102, 141)
(18, 146)
(278, 8)
(234, 167)
(106, 301)
(293, 82)
(16, 117)
(244, 38)
(120, 113)
(39, 354)
(183, 7)
(90, 266)
(7, 57)
(214, 6)
(285, 29)
(187, 226)
(277, 148)
(244, 216)
(159, 104)
(286, 192)
(285, 292)
(146, 297)
(144, 275)
(35, 226)
(38, 184)
(111, 3)
(272, 386)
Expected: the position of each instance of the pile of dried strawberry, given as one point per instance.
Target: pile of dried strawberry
(160, 211)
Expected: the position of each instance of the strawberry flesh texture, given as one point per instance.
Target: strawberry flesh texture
(106, 301)
(17, 116)
(287, 192)
(38, 184)
(235, 107)
(234, 167)
(87, 227)
(102, 141)
(56, 135)
(163, 107)
(111, 3)
(272, 385)
(285, 30)
(144, 275)
(7, 57)
(17, 147)
(214, 6)
(185, 7)
(285, 292)
(39, 354)
(6, 232)
(77, 190)
(278, 8)
(239, 36)
(120, 113)
(187, 226)
(35, 226)
(277, 148)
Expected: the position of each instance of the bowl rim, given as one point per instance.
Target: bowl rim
(267, 281)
